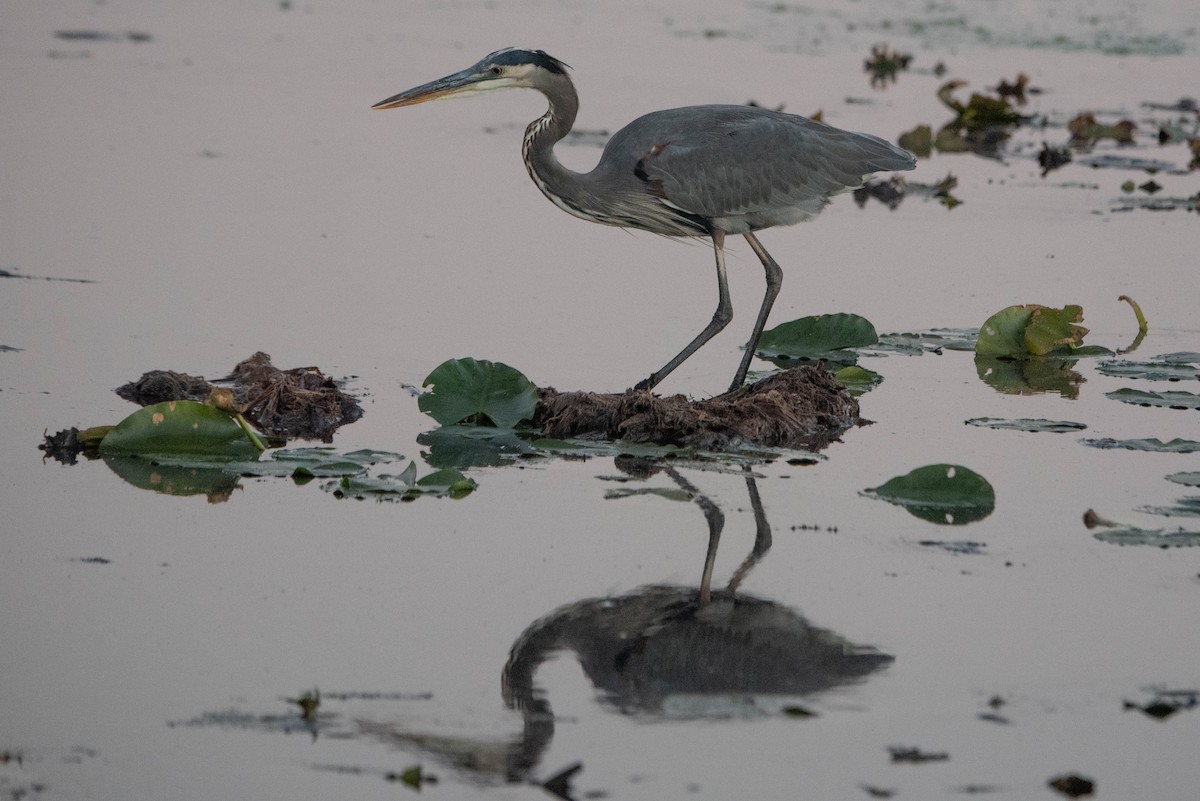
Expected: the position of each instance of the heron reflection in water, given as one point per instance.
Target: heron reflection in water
(698, 171)
(663, 652)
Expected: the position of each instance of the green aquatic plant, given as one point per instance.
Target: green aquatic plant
(940, 493)
(823, 336)
(478, 391)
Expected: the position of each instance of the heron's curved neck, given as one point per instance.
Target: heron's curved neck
(564, 187)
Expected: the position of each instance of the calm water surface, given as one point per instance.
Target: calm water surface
(225, 189)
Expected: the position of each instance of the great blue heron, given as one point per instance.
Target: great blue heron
(693, 171)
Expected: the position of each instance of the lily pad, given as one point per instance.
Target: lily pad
(577, 448)
(480, 391)
(183, 474)
(934, 340)
(1180, 357)
(1027, 424)
(1169, 399)
(822, 336)
(404, 486)
(1031, 330)
(179, 428)
(324, 458)
(1184, 507)
(857, 380)
(1159, 369)
(1155, 538)
(1187, 479)
(940, 493)
(956, 547)
(1152, 444)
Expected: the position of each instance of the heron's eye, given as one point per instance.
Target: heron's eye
(497, 70)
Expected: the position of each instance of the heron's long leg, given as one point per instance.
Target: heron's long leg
(762, 535)
(720, 318)
(774, 282)
(716, 524)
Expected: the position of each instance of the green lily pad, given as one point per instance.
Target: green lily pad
(320, 462)
(1179, 357)
(934, 340)
(1152, 444)
(857, 380)
(1184, 507)
(450, 483)
(1156, 538)
(1027, 424)
(480, 391)
(179, 428)
(1188, 479)
(404, 486)
(1168, 367)
(1168, 399)
(940, 493)
(1032, 330)
(822, 336)
(584, 448)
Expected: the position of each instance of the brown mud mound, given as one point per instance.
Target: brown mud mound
(804, 407)
(300, 402)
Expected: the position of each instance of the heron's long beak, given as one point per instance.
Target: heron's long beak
(459, 84)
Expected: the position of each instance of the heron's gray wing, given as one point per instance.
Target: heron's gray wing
(745, 162)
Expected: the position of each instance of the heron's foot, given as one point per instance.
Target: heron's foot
(647, 384)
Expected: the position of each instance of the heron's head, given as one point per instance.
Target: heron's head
(511, 68)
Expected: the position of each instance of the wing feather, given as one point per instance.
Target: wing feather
(748, 163)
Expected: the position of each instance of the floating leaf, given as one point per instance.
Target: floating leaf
(1160, 369)
(184, 428)
(1184, 507)
(1054, 329)
(1122, 534)
(183, 474)
(579, 448)
(404, 486)
(1031, 330)
(1169, 399)
(956, 547)
(1027, 424)
(451, 483)
(1190, 479)
(1155, 538)
(821, 336)
(1153, 444)
(857, 380)
(940, 493)
(478, 390)
(1180, 357)
(934, 340)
